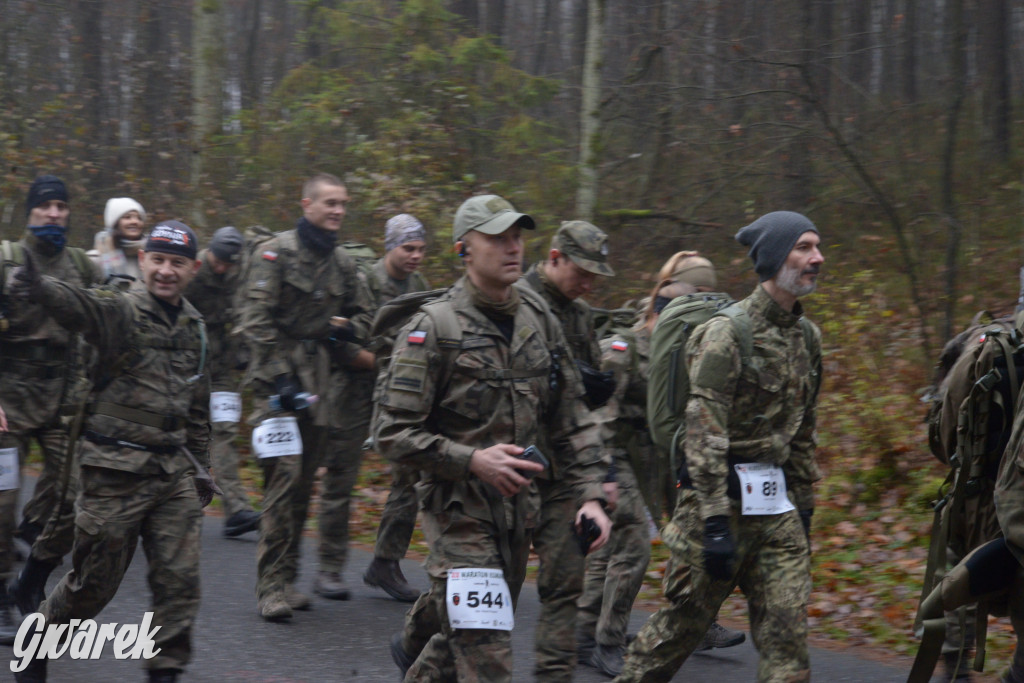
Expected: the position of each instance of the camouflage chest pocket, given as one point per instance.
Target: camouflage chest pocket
(759, 387)
(476, 391)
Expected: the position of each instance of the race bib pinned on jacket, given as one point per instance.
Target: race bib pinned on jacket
(277, 436)
(479, 598)
(763, 488)
(225, 406)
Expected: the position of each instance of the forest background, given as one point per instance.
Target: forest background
(669, 123)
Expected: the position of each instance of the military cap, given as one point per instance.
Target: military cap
(489, 214)
(585, 244)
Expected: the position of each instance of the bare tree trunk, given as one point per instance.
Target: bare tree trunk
(958, 85)
(994, 74)
(590, 111)
(910, 27)
(207, 82)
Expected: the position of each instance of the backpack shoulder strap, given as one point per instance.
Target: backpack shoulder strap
(13, 252)
(83, 264)
(744, 330)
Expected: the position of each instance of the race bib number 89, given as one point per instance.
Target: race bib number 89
(277, 436)
(763, 488)
(479, 598)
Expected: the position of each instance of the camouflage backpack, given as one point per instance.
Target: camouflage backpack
(365, 259)
(668, 384)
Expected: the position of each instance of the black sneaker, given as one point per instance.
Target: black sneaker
(608, 659)
(719, 636)
(241, 522)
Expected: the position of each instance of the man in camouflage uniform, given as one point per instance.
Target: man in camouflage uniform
(213, 292)
(750, 438)
(300, 287)
(144, 444)
(1009, 503)
(397, 273)
(614, 575)
(472, 381)
(578, 254)
(42, 369)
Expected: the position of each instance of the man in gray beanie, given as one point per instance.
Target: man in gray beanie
(213, 292)
(734, 523)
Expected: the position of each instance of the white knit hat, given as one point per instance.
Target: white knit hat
(118, 207)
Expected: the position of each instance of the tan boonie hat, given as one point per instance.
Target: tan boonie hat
(696, 271)
(585, 244)
(489, 214)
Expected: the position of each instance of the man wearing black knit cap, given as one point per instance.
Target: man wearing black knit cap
(144, 446)
(42, 367)
(754, 371)
(213, 292)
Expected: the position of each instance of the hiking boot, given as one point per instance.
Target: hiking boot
(8, 622)
(585, 645)
(241, 522)
(956, 667)
(28, 589)
(402, 658)
(330, 585)
(35, 672)
(720, 636)
(296, 599)
(387, 575)
(608, 659)
(274, 607)
(163, 675)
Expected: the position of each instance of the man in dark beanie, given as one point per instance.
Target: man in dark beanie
(43, 370)
(213, 293)
(755, 370)
(144, 446)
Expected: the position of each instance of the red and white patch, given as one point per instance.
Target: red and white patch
(417, 337)
(619, 345)
(270, 255)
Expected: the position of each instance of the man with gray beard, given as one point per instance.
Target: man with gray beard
(754, 372)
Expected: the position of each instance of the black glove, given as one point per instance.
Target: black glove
(588, 532)
(287, 388)
(26, 280)
(719, 549)
(805, 519)
(599, 385)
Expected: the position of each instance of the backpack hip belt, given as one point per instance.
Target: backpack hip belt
(38, 351)
(104, 440)
(166, 423)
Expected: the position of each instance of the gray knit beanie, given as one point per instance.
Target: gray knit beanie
(226, 244)
(771, 237)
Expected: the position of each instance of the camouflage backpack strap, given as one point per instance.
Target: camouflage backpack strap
(744, 330)
(83, 264)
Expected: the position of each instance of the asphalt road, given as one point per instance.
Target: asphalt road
(348, 641)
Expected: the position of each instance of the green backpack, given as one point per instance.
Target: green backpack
(668, 383)
(365, 259)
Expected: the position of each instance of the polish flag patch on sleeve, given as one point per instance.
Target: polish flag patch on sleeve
(417, 337)
(270, 255)
(619, 345)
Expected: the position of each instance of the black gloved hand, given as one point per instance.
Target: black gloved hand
(287, 388)
(719, 549)
(805, 519)
(26, 280)
(599, 385)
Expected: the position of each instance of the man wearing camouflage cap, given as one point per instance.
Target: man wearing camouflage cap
(475, 377)
(213, 292)
(578, 255)
(750, 439)
(144, 449)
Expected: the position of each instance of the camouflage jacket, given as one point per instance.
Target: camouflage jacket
(36, 353)
(391, 288)
(626, 355)
(437, 406)
(575, 315)
(214, 297)
(762, 412)
(150, 374)
(290, 296)
(1009, 489)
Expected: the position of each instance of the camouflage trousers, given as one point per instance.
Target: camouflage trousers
(288, 481)
(772, 568)
(115, 509)
(344, 453)
(51, 508)
(8, 513)
(559, 582)
(398, 520)
(466, 655)
(615, 573)
(224, 459)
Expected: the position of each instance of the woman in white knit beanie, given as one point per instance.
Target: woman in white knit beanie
(116, 248)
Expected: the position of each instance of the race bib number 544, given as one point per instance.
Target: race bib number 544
(479, 598)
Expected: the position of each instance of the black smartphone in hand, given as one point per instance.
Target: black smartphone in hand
(533, 454)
